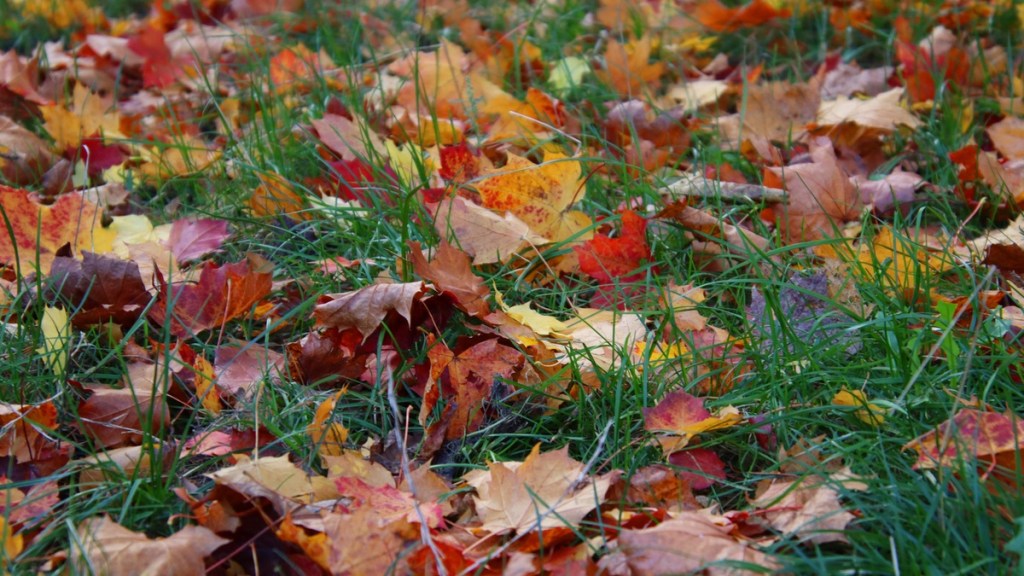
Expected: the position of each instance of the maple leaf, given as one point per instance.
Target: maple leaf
(349, 140)
(820, 195)
(717, 17)
(387, 502)
(1006, 136)
(711, 545)
(365, 309)
(465, 380)
(883, 194)
(24, 157)
(100, 289)
(278, 480)
(89, 115)
(702, 468)
(882, 112)
(544, 491)
(106, 547)
(39, 231)
(684, 416)
(484, 235)
(242, 366)
(116, 416)
(656, 485)
(221, 294)
(970, 434)
(617, 259)
(774, 112)
(158, 68)
(329, 438)
(451, 274)
(627, 67)
(364, 543)
(866, 412)
(26, 431)
(808, 507)
(539, 194)
(191, 238)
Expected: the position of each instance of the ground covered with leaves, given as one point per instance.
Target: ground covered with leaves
(550, 287)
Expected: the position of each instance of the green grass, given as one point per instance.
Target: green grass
(909, 521)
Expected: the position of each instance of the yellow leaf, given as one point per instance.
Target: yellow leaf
(329, 438)
(527, 316)
(866, 412)
(568, 73)
(56, 331)
(539, 194)
(89, 114)
(13, 543)
(900, 264)
(205, 389)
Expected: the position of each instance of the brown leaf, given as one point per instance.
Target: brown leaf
(105, 547)
(709, 544)
(365, 544)
(544, 491)
(450, 272)
(349, 140)
(240, 367)
(807, 507)
(365, 309)
(222, 294)
(100, 289)
(971, 434)
(775, 111)
(24, 157)
(116, 416)
(821, 196)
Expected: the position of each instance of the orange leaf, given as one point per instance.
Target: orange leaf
(106, 547)
(40, 231)
(451, 274)
(718, 17)
(627, 67)
(539, 194)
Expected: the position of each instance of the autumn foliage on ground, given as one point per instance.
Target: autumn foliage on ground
(563, 287)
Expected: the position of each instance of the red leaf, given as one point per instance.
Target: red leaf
(605, 259)
(708, 466)
(158, 71)
(222, 294)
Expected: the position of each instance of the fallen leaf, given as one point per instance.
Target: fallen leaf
(821, 196)
(116, 416)
(866, 412)
(1006, 136)
(328, 437)
(26, 431)
(711, 544)
(807, 507)
(683, 416)
(969, 435)
(484, 235)
(539, 194)
(882, 112)
(99, 289)
(451, 274)
(222, 294)
(545, 491)
(39, 231)
(619, 259)
(627, 68)
(365, 309)
(106, 547)
(191, 238)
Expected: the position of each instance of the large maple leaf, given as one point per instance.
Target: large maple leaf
(544, 491)
(539, 194)
(117, 416)
(33, 232)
